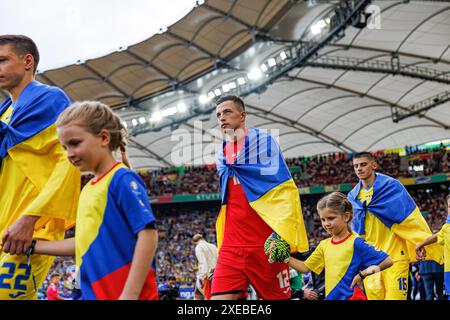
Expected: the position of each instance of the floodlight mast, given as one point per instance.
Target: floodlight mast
(295, 54)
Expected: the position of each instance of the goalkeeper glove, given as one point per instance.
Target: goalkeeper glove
(277, 248)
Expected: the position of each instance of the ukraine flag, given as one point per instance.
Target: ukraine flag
(29, 143)
(268, 186)
(394, 207)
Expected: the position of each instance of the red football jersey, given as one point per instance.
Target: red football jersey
(243, 226)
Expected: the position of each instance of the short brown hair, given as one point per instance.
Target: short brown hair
(21, 45)
(197, 237)
(238, 102)
(364, 154)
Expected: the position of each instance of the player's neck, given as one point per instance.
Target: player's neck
(104, 166)
(341, 235)
(237, 135)
(17, 90)
(369, 181)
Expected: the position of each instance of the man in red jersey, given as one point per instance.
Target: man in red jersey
(241, 259)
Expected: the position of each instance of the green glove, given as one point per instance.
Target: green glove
(281, 251)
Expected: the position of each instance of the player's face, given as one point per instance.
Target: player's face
(12, 68)
(364, 167)
(333, 223)
(84, 149)
(229, 116)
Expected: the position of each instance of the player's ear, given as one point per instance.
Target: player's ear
(105, 137)
(29, 62)
(374, 165)
(347, 217)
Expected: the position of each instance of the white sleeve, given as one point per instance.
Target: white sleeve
(202, 263)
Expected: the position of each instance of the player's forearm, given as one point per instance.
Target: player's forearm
(430, 240)
(30, 218)
(386, 263)
(298, 265)
(64, 247)
(141, 263)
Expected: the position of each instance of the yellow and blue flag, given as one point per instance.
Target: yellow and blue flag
(394, 207)
(268, 186)
(29, 143)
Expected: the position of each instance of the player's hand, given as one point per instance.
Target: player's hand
(19, 236)
(310, 294)
(269, 245)
(357, 281)
(277, 249)
(421, 253)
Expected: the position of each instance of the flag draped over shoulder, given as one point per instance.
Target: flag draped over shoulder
(30, 140)
(394, 207)
(268, 186)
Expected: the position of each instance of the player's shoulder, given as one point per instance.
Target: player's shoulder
(388, 179)
(262, 133)
(324, 243)
(125, 177)
(124, 173)
(362, 245)
(50, 91)
(359, 242)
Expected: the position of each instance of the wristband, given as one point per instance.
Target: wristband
(30, 249)
(361, 275)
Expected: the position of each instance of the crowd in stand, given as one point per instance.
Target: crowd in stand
(175, 255)
(306, 171)
(319, 170)
(192, 180)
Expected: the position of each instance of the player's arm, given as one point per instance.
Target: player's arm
(18, 237)
(202, 264)
(420, 248)
(298, 265)
(59, 192)
(357, 280)
(141, 264)
(64, 247)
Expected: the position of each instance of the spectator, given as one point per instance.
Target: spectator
(170, 290)
(206, 254)
(432, 274)
(53, 288)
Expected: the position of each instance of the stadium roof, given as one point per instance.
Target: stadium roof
(344, 98)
